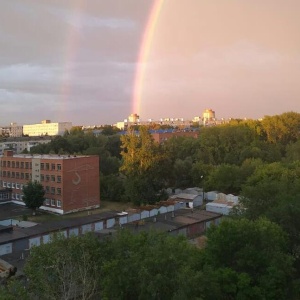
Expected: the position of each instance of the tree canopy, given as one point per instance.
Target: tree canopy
(33, 195)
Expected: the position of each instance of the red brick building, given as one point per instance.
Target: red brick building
(161, 137)
(71, 183)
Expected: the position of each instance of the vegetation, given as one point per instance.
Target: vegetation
(33, 195)
(243, 259)
(253, 255)
(144, 164)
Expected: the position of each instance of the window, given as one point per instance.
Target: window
(47, 166)
(47, 189)
(4, 183)
(18, 197)
(13, 196)
(52, 202)
(22, 165)
(17, 186)
(52, 167)
(13, 174)
(27, 165)
(47, 201)
(8, 185)
(53, 178)
(47, 177)
(22, 175)
(4, 173)
(17, 175)
(58, 179)
(59, 167)
(58, 203)
(42, 167)
(21, 186)
(17, 164)
(58, 191)
(42, 177)
(8, 164)
(8, 174)
(4, 163)
(13, 164)
(27, 176)
(52, 190)
(13, 185)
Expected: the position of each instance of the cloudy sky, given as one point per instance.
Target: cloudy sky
(76, 60)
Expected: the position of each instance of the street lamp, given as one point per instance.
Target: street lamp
(202, 176)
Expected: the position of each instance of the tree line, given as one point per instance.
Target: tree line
(226, 157)
(252, 254)
(242, 259)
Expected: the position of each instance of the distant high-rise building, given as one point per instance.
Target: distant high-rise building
(208, 115)
(133, 118)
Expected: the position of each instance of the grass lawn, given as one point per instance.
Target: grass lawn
(43, 216)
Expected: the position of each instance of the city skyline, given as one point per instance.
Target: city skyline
(79, 60)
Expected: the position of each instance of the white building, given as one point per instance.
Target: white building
(47, 128)
(18, 145)
(221, 203)
(223, 208)
(190, 200)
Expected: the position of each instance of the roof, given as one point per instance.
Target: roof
(46, 156)
(52, 226)
(184, 196)
(220, 204)
(173, 220)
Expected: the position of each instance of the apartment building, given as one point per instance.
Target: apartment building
(20, 144)
(71, 183)
(47, 128)
(13, 130)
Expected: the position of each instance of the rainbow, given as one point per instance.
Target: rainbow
(144, 54)
(69, 56)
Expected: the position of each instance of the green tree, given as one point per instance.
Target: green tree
(65, 268)
(254, 255)
(140, 267)
(112, 188)
(284, 128)
(144, 164)
(109, 130)
(33, 195)
(268, 186)
(14, 289)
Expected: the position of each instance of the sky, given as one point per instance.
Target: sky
(76, 60)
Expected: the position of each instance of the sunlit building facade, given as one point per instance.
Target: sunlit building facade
(71, 183)
(47, 128)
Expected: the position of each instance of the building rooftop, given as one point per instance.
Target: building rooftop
(47, 156)
(52, 226)
(172, 220)
(184, 196)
